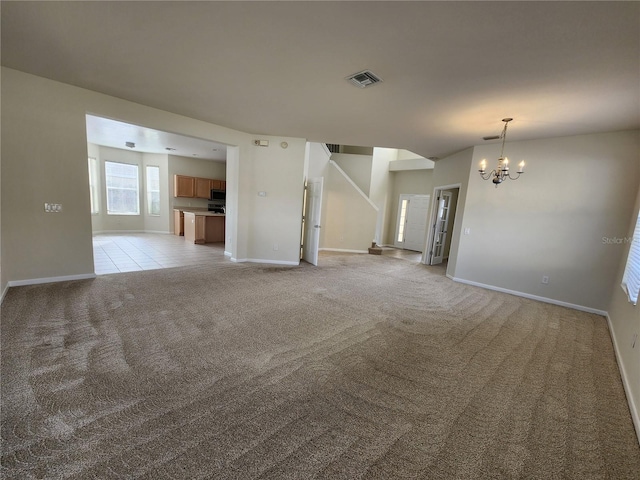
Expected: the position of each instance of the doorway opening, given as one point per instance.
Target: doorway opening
(141, 183)
(443, 215)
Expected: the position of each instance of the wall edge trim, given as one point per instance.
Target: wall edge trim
(262, 260)
(633, 408)
(530, 296)
(4, 293)
(343, 250)
(37, 281)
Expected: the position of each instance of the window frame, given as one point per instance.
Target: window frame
(149, 191)
(137, 187)
(631, 277)
(94, 185)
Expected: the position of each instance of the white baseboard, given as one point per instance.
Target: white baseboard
(259, 260)
(227, 254)
(37, 281)
(633, 408)
(4, 292)
(111, 232)
(343, 250)
(532, 297)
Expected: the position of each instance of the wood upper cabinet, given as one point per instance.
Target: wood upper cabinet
(194, 187)
(203, 188)
(184, 186)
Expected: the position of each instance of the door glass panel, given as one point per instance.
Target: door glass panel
(403, 218)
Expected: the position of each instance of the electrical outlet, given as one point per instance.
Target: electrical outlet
(52, 207)
(467, 231)
(275, 246)
(545, 279)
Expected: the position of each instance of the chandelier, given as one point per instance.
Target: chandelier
(501, 173)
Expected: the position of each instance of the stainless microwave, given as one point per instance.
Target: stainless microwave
(218, 195)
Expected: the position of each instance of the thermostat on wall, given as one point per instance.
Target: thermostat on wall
(261, 143)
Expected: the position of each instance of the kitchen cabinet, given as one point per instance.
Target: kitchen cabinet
(203, 227)
(196, 187)
(184, 186)
(178, 222)
(203, 187)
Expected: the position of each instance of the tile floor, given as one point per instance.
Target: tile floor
(117, 253)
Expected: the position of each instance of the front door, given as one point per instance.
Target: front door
(416, 223)
(313, 209)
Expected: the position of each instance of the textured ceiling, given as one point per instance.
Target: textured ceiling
(451, 70)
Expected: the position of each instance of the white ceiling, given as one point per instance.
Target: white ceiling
(112, 133)
(451, 70)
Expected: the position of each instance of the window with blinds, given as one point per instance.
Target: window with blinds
(121, 180)
(631, 277)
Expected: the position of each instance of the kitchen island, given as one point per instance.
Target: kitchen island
(203, 226)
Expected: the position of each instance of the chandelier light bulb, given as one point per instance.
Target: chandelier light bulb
(501, 173)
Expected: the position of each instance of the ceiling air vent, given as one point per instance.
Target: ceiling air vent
(364, 79)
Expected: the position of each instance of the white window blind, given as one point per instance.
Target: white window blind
(123, 196)
(631, 277)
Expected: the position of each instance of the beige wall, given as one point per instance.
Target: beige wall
(44, 159)
(417, 182)
(349, 219)
(275, 220)
(625, 322)
(576, 190)
(358, 167)
(381, 187)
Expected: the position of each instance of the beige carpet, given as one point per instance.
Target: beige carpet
(366, 367)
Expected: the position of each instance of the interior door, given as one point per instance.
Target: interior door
(313, 209)
(440, 230)
(416, 223)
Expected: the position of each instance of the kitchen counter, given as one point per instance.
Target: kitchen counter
(203, 226)
(205, 213)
